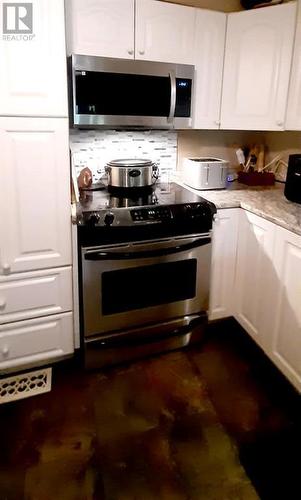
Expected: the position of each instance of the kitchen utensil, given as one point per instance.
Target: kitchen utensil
(85, 178)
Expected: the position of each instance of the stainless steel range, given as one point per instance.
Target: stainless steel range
(144, 271)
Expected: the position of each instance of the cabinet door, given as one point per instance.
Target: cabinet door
(210, 35)
(33, 63)
(285, 342)
(100, 27)
(33, 341)
(35, 224)
(164, 32)
(254, 291)
(257, 67)
(224, 247)
(293, 117)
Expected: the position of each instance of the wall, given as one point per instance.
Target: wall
(284, 143)
(223, 143)
(219, 143)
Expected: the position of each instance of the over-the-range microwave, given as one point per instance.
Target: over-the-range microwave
(107, 92)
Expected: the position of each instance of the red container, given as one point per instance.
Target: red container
(256, 178)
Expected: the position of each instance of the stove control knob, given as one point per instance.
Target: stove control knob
(93, 219)
(109, 219)
(188, 210)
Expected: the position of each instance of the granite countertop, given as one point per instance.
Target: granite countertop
(267, 202)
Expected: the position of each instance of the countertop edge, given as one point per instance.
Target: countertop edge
(249, 206)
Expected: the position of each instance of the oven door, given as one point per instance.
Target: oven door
(128, 285)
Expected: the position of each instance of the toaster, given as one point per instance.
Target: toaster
(205, 173)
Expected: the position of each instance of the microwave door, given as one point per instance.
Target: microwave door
(117, 99)
(120, 93)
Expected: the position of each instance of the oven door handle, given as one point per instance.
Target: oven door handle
(160, 252)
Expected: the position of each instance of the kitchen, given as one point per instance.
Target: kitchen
(54, 259)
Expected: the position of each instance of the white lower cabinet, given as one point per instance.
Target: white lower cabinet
(267, 291)
(29, 342)
(285, 336)
(253, 274)
(224, 245)
(36, 301)
(35, 294)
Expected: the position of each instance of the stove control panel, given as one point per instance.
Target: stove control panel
(154, 214)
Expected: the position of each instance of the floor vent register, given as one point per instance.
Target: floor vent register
(25, 385)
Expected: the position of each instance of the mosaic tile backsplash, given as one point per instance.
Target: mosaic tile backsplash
(94, 148)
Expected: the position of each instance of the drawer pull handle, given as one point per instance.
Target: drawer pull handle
(2, 303)
(6, 267)
(5, 351)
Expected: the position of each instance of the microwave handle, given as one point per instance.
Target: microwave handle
(173, 96)
(146, 253)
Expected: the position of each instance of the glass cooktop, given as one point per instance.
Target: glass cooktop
(160, 194)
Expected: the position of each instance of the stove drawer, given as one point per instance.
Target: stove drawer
(32, 295)
(29, 342)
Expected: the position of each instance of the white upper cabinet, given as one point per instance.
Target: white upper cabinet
(101, 27)
(293, 117)
(258, 56)
(254, 269)
(285, 340)
(209, 49)
(35, 230)
(33, 63)
(164, 32)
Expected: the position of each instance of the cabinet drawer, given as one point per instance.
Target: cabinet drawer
(28, 342)
(35, 294)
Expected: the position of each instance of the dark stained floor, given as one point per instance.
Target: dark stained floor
(216, 421)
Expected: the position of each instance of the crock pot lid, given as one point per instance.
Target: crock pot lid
(130, 163)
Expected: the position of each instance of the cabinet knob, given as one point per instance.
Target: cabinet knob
(5, 350)
(131, 52)
(6, 267)
(141, 52)
(217, 122)
(279, 123)
(2, 303)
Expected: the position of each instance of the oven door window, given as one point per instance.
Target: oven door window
(140, 287)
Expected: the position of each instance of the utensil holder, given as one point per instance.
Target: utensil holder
(256, 178)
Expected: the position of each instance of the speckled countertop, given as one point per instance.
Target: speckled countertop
(267, 202)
